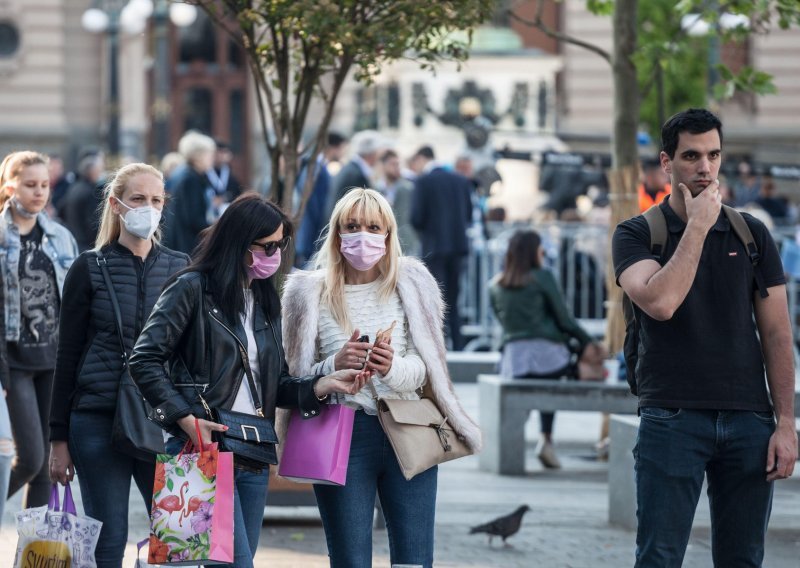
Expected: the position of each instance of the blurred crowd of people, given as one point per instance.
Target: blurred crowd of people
(749, 190)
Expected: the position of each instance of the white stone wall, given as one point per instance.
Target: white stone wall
(50, 96)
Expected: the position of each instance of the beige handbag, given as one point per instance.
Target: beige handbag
(419, 433)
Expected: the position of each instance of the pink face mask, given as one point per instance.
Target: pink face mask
(363, 250)
(263, 266)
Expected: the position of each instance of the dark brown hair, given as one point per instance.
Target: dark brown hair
(522, 257)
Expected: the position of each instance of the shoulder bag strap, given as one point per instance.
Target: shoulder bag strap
(251, 382)
(102, 263)
(746, 236)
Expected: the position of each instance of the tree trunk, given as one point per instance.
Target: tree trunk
(624, 177)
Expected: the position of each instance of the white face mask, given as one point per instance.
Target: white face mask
(141, 222)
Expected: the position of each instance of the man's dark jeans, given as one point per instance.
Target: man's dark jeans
(674, 450)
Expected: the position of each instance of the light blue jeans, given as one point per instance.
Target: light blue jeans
(6, 452)
(408, 506)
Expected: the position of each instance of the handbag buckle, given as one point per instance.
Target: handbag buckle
(443, 437)
(245, 427)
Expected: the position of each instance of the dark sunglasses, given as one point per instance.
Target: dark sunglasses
(272, 246)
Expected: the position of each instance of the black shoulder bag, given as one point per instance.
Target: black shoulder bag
(250, 437)
(132, 432)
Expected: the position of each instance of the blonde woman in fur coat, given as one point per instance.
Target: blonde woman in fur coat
(362, 284)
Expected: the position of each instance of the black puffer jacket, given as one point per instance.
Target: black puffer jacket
(89, 363)
(191, 335)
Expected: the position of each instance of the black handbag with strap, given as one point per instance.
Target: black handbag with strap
(132, 432)
(251, 437)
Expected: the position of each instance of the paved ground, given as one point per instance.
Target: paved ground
(567, 526)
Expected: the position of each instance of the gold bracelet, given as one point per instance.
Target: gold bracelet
(319, 398)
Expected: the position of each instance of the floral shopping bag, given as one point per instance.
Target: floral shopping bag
(56, 537)
(192, 514)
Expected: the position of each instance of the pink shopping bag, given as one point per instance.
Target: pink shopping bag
(191, 521)
(317, 450)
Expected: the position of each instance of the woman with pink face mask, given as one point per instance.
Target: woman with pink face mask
(362, 285)
(191, 353)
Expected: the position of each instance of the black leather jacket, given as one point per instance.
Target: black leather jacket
(198, 345)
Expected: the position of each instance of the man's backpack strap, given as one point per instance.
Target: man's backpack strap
(657, 224)
(746, 237)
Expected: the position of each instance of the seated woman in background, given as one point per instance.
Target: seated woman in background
(537, 327)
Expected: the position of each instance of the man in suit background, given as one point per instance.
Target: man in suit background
(314, 218)
(398, 191)
(78, 209)
(441, 211)
(358, 172)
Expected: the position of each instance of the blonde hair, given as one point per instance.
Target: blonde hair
(12, 167)
(194, 143)
(116, 186)
(371, 206)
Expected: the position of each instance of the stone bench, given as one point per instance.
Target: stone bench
(623, 431)
(505, 404)
(621, 484)
(465, 366)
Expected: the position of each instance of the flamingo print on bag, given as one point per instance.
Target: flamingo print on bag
(173, 504)
(191, 507)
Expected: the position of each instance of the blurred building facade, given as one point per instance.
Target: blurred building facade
(530, 92)
(762, 127)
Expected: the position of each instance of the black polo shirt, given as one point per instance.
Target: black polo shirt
(707, 356)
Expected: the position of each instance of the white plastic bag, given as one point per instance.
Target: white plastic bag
(55, 537)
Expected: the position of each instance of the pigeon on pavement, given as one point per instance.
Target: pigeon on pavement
(504, 526)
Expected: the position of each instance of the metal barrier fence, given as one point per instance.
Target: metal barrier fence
(577, 253)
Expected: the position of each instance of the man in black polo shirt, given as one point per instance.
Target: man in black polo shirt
(703, 399)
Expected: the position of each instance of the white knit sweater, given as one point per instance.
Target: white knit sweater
(368, 315)
(424, 311)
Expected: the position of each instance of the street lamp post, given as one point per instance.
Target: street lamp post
(130, 16)
(161, 80)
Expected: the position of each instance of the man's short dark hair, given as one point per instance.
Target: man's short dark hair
(693, 121)
(221, 144)
(388, 155)
(335, 139)
(425, 152)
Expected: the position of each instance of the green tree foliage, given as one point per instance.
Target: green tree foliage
(671, 66)
(300, 51)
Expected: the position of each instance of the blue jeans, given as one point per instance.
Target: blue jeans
(249, 500)
(674, 450)
(105, 477)
(408, 506)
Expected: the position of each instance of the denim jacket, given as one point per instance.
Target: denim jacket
(57, 243)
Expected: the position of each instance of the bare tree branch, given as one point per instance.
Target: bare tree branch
(539, 24)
